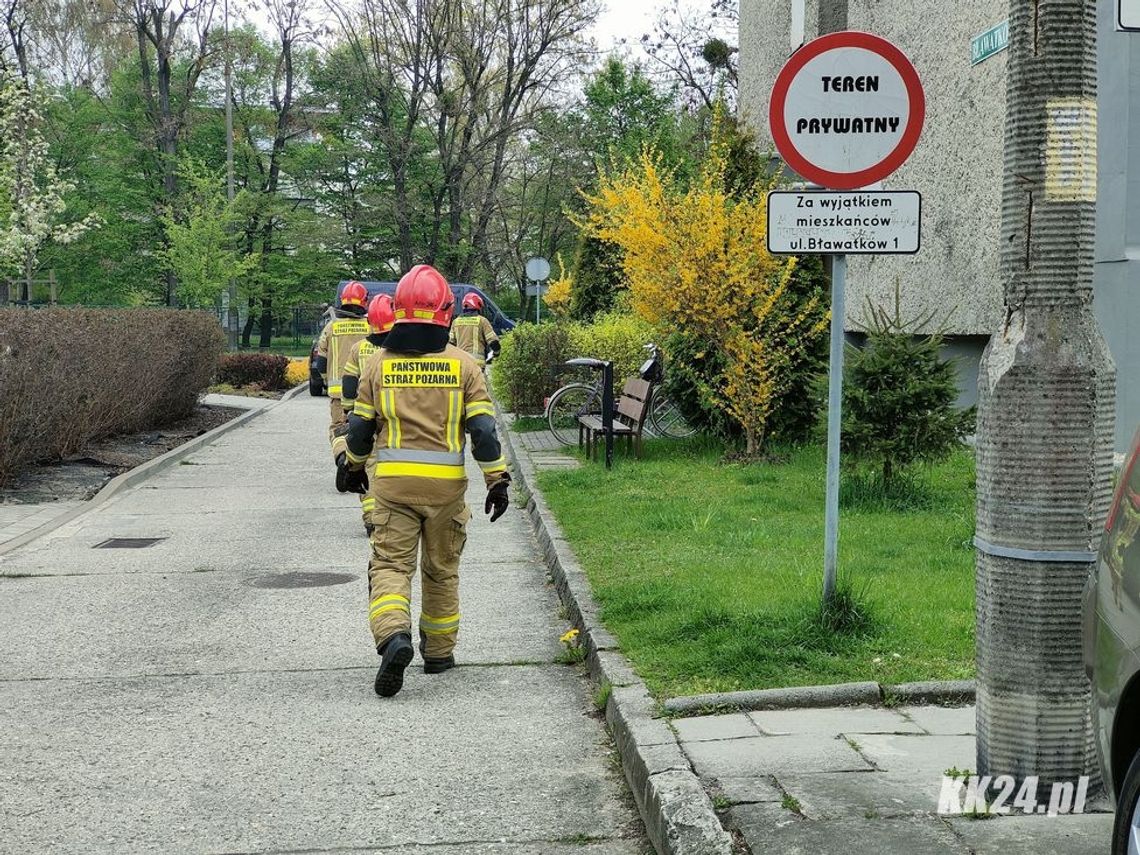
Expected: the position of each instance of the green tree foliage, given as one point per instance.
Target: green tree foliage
(200, 245)
(597, 278)
(624, 113)
(899, 398)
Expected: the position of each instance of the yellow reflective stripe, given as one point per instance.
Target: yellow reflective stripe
(351, 368)
(419, 470)
(352, 458)
(388, 408)
(492, 465)
(454, 407)
(365, 411)
(480, 408)
(439, 626)
(334, 391)
(367, 503)
(389, 598)
(389, 603)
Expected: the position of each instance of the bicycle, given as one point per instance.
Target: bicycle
(574, 400)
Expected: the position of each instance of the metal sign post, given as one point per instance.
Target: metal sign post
(847, 110)
(537, 271)
(834, 424)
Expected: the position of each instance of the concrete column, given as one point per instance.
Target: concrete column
(1045, 417)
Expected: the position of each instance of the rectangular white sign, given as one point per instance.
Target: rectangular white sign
(1128, 14)
(823, 222)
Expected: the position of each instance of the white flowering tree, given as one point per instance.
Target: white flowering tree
(32, 204)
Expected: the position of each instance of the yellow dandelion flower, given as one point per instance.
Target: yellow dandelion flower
(569, 637)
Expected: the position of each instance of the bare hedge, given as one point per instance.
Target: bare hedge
(71, 375)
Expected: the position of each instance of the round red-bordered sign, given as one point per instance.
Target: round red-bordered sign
(883, 166)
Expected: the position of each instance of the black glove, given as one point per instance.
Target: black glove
(356, 481)
(498, 499)
(350, 480)
(342, 428)
(341, 473)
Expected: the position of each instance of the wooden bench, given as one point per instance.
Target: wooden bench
(629, 419)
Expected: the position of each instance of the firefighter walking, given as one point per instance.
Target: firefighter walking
(473, 333)
(380, 320)
(418, 399)
(338, 336)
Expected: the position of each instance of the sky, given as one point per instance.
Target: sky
(624, 19)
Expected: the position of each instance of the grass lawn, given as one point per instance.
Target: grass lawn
(709, 574)
(529, 424)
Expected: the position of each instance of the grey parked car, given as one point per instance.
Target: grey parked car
(1112, 654)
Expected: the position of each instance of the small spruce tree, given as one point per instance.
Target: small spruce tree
(899, 397)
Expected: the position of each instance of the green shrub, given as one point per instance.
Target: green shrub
(525, 370)
(264, 370)
(899, 399)
(68, 376)
(694, 370)
(617, 336)
(530, 365)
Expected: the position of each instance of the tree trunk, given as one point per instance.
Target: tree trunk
(247, 330)
(266, 324)
(1045, 413)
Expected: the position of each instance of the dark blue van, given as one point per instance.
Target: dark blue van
(493, 313)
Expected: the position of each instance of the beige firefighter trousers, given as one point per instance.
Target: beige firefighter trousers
(439, 534)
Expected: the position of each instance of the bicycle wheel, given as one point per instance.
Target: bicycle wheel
(566, 405)
(665, 418)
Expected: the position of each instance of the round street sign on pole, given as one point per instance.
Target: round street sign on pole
(537, 269)
(847, 110)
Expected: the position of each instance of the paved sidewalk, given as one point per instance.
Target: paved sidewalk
(862, 779)
(544, 449)
(213, 692)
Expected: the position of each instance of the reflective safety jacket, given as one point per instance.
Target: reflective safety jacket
(474, 334)
(357, 357)
(414, 413)
(337, 338)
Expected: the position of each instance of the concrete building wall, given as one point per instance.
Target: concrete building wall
(958, 169)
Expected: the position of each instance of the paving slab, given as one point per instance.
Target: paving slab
(921, 756)
(168, 700)
(1089, 834)
(830, 795)
(945, 721)
(904, 835)
(713, 727)
(771, 755)
(832, 721)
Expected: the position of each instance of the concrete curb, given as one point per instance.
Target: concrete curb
(678, 814)
(943, 692)
(142, 472)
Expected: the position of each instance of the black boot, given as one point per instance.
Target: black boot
(437, 665)
(397, 652)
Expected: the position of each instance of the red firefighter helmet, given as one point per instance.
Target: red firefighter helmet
(380, 314)
(471, 300)
(424, 297)
(353, 294)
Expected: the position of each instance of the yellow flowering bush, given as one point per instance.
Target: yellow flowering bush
(296, 372)
(557, 298)
(696, 260)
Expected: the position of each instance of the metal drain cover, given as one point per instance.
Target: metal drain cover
(128, 542)
(301, 580)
